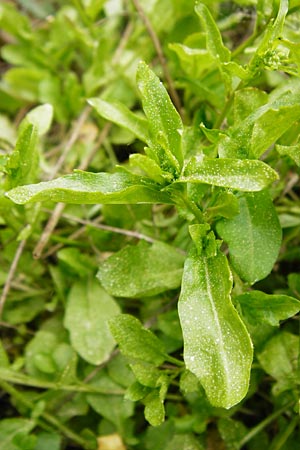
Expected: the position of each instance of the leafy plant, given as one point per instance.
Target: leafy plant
(205, 189)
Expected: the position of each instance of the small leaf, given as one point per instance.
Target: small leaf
(86, 187)
(293, 151)
(217, 347)
(154, 408)
(263, 308)
(243, 175)
(214, 41)
(142, 270)
(135, 341)
(41, 117)
(165, 124)
(122, 116)
(88, 310)
(279, 359)
(253, 236)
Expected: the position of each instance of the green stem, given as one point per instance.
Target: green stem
(263, 424)
(66, 431)
(285, 434)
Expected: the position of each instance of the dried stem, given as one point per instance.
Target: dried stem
(162, 59)
(11, 274)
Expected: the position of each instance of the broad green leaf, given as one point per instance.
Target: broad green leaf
(114, 408)
(165, 124)
(146, 374)
(217, 346)
(135, 341)
(259, 307)
(194, 61)
(256, 133)
(87, 187)
(142, 270)
(232, 432)
(184, 442)
(253, 236)
(214, 41)
(12, 431)
(279, 358)
(226, 205)
(246, 102)
(122, 116)
(88, 310)
(243, 175)
(293, 151)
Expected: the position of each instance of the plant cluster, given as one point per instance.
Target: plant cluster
(150, 230)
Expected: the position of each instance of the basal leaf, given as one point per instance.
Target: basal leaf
(86, 187)
(122, 116)
(88, 310)
(217, 347)
(165, 124)
(214, 41)
(243, 175)
(135, 341)
(142, 270)
(253, 236)
(259, 307)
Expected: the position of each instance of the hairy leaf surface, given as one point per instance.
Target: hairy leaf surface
(253, 236)
(217, 347)
(86, 187)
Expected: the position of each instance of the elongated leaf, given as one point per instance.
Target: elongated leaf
(243, 175)
(164, 121)
(154, 408)
(217, 347)
(253, 236)
(251, 137)
(22, 163)
(88, 310)
(259, 307)
(214, 41)
(87, 187)
(135, 341)
(142, 270)
(122, 116)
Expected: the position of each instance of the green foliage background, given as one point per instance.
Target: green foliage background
(223, 147)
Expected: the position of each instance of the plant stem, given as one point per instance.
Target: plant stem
(46, 416)
(263, 424)
(285, 434)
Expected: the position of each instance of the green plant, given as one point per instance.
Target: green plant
(215, 172)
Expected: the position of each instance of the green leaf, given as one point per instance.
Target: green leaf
(122, 116)
(41, 117)
(243, 175)
(22, 163)
(293, 151)
(142, 270)
(135, 341)
(263, 308)
(184, 442)
(13, 431)
(165, 124)
(279, 358)
(214, 41)
(148, 166)
(253, 236)
(88, 310)
(154, 408)
(45, 441)
(217, 347)
(256, 133)
(114, 408)
(87, 187)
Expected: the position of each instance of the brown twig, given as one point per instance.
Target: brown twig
(11, 274)
(162, 59)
